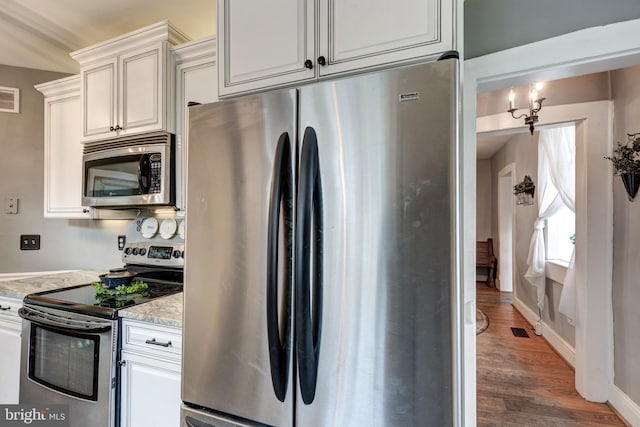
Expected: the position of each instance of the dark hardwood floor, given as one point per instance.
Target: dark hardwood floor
(522, 381)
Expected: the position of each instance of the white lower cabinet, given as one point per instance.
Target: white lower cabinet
(10, 328)
(150, 375)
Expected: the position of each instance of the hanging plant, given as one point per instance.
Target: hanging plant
(526, 186)
(626, 163)
(524, 191)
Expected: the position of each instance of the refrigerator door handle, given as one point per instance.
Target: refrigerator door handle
(281, 195)
(309, 236)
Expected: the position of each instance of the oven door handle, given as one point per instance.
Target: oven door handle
(48, 319)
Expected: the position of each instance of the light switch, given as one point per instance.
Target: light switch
(11, 205)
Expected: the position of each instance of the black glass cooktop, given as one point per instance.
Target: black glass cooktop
(83, 299)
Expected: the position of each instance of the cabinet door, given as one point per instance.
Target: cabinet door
(63, 158)
(196, 83)
(264, 44)
(141, 81)
(99, 95)
(150, 392)
(358, 34)
(9, 360)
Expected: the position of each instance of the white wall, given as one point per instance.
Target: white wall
(626, 244)
(65, 244)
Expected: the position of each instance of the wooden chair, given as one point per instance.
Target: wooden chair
(486, 259)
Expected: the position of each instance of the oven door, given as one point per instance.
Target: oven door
(69, 359)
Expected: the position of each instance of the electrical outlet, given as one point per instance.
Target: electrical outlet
(29, 242)
(121, 241)
(11, 205)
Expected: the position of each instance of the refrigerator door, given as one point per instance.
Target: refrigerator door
(237, 352)
(378, 326)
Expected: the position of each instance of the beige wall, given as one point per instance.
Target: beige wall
(65, 244)
(483, 200)
(574, 90)
(626, 244)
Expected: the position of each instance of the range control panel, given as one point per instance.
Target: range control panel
(161, 254)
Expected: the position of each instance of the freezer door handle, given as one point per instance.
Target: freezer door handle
(309, 292)
(281, 195)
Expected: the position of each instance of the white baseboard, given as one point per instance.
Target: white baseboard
(627, 408)
(563, 348)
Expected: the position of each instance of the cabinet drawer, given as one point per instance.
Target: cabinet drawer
(152, 339)
(9, 308)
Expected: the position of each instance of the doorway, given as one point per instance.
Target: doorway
(505, 228)
(587, 51)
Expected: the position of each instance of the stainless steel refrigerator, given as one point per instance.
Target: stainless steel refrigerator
(318, 277)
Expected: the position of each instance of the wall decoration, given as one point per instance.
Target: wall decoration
(626, 162)
(9, 99)
(524, 191)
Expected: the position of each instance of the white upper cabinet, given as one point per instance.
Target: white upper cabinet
(127, 83)
(285, 42)
(359, 34)
(196, 81)
(264, 43)
(62, 149)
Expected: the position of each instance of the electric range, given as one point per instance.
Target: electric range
(70, 336)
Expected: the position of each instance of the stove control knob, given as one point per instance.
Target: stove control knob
(176, 254)
(143, 251)
(127, 251)
(135, 251)
(181, 254)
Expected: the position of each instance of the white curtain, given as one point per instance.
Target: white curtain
(556, 187)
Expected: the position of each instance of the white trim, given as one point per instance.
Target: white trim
(556, 270)
(563, 348)
(625, 407)
(507, 172)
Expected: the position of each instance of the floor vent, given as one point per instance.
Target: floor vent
(520, 332)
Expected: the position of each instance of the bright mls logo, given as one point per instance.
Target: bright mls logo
(34, 415)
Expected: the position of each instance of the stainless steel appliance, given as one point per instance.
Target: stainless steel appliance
(70, 339)
(133, 171)
(319, 279)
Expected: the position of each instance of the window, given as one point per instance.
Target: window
(561, 228)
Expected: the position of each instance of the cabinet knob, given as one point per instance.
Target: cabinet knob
(322, 60)
(308, 64)
(115, 128)
(112, 129)
(121, 363)
(85, 210)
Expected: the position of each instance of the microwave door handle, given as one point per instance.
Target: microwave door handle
(144, 174)
(47, 319)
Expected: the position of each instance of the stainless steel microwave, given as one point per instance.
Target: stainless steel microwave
(134, 171)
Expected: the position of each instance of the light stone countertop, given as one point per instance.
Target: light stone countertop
(19, 288)
(161, 311)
